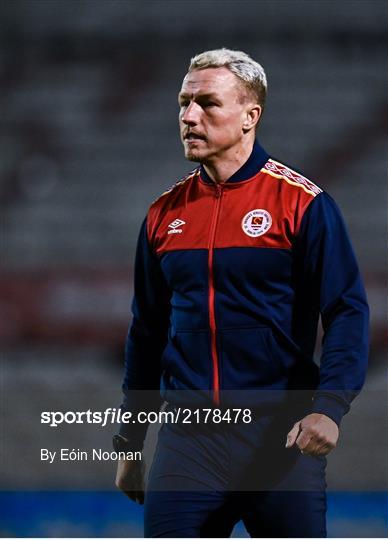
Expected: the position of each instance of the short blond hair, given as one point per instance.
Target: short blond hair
(251, 73)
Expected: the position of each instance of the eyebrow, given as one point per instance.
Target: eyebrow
(210, 95)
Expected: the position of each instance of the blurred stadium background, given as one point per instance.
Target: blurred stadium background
(88, 138)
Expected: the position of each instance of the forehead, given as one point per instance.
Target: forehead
(211, 80)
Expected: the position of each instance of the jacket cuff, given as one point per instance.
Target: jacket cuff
(135, 437)
(330, 406)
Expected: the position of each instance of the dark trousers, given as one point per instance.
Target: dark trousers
(206, 478)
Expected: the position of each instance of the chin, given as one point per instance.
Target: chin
(192, 156)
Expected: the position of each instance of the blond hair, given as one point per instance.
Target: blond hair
(250, 73)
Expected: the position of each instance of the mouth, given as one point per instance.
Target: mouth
(191, 136)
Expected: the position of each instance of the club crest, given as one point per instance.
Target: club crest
(256, 222)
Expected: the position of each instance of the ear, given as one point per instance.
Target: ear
(253, 114)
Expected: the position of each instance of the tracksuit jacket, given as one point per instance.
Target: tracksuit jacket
(230, 281)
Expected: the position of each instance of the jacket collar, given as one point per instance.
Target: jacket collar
(251, 167)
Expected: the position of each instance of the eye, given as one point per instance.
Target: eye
(208, 104)
(183, 103)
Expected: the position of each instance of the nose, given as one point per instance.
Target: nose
(189, 115)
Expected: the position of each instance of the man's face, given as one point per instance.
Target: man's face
(212, 113)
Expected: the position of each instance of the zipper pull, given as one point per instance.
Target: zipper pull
(218, 191)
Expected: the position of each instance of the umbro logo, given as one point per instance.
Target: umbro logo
(174, 226)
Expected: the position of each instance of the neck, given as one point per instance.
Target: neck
(220, 169)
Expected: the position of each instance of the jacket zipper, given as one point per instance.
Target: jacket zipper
(212, 318)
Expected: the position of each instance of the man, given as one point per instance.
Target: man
(234, 266)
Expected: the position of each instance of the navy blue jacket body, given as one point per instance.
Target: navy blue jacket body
(230, 282)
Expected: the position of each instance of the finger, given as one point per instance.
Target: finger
(131, 495)
(324, 450)
(317, 448)
(311, 448)
(140, 497)
(322, 445)
(135, 496)
(304, 439)
(292, 435)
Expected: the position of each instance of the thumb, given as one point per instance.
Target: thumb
(293, 435)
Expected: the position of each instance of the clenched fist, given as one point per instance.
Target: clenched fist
(130, 480)
(316, 435)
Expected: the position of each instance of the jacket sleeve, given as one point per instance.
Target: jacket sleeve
(146, 339)
(331, 279)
